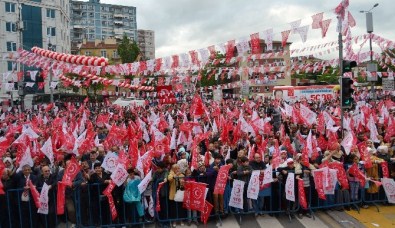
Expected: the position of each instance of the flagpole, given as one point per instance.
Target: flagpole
(341, 73)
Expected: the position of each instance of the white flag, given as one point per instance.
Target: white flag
(119, 175)
(26, 159)
(290, 187)
(309, 116)
(347, 142)
(110, 162)
(47, 150)
(145, 182)
(253, 185)
(236, 196)
(44, 200)
(389, 188)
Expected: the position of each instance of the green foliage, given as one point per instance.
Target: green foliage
(127, 50)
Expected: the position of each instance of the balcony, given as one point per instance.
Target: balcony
(118, 16)
(119, 23)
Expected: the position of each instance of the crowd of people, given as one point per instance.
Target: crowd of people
(188, 141)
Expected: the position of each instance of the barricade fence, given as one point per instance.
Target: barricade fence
(87, 206)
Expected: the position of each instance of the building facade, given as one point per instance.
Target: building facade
(93, 20)
(106, 48)
(25, 24)
(146, 43)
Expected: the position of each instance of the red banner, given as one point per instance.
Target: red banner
(1, 188)
(384, 169)
(109, 188)
(319, 185)
(230, 48)
(71, 172)
(206, 212)
(222, 178)
(111, 204)
(35, 194)
(341, 174)
(160, 185)
(302, 194)
(196, 192)
(357, 174)
(60, 198)
(255, 43)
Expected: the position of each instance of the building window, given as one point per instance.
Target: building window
(10, 7)
(9, 66)
(51, 31)
(115, 54)
(104, 53)
(11, 46)
(10, 27)
(88, 53)
(50, 13)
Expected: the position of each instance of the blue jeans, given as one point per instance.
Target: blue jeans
(258, 204)
(192, 216)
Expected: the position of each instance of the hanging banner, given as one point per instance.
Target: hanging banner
(290, 187)
(253, 185)
(44, 200)
(222, 179)
(389, 188)
(267, 175)
(236, 196)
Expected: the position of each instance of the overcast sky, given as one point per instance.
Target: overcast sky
(184, 25)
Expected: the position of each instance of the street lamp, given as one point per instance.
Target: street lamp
(369, 28)
(51, 48)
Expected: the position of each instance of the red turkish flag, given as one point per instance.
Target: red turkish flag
(206, 212)
(222, 179)
(70, 172)
(353, 170)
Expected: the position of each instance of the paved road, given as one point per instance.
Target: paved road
(328, 219)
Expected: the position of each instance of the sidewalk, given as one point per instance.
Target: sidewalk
(372, 218)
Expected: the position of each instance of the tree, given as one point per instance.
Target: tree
(128, 51)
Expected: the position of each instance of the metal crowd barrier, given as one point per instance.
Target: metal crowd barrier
(91, 207)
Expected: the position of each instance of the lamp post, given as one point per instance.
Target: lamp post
(50, 47)
(369, 28)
